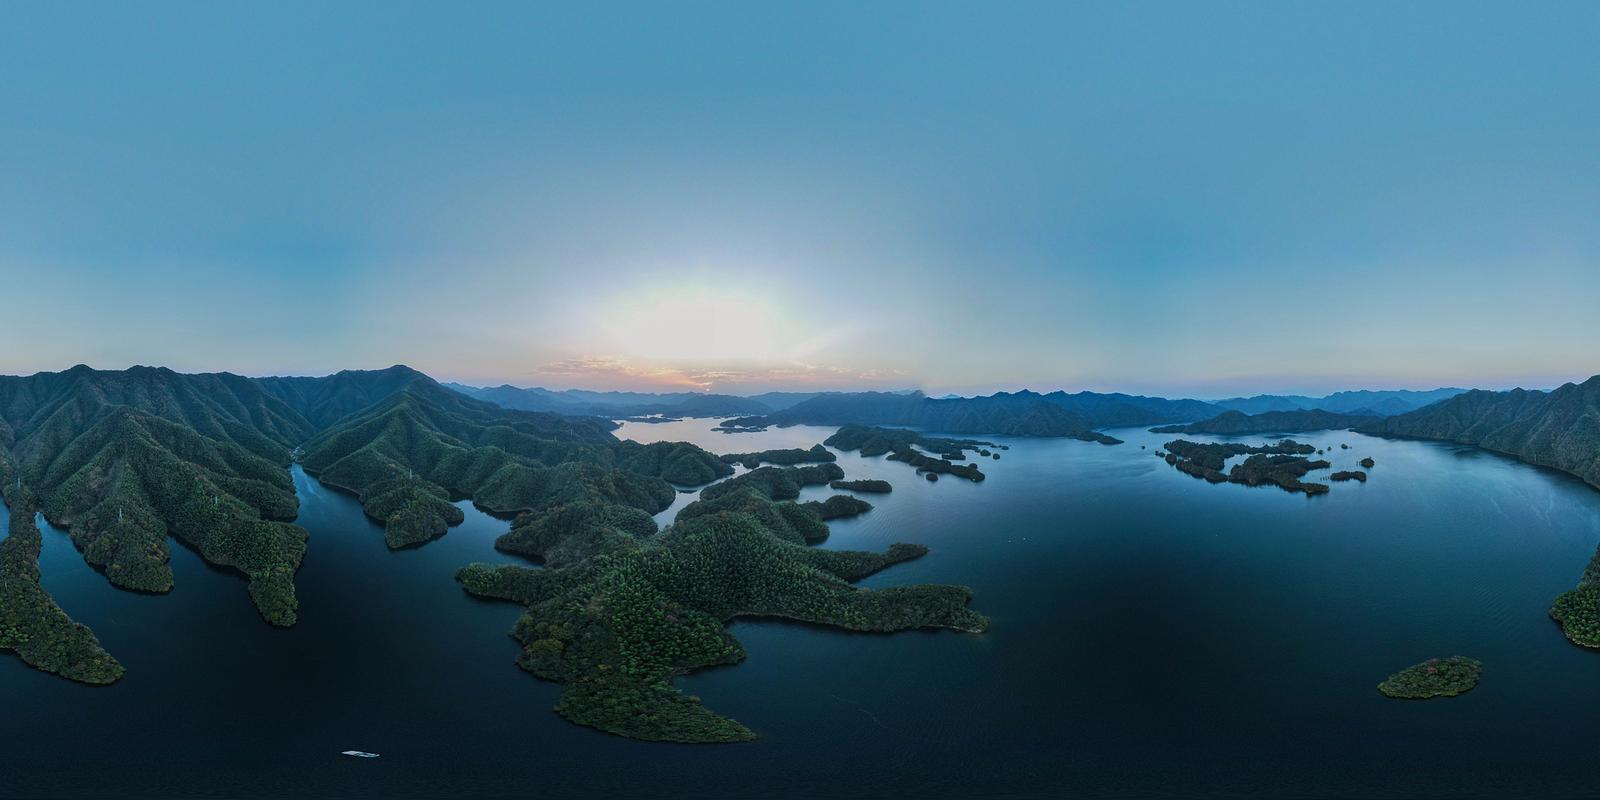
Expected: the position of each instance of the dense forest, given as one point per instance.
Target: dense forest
(123, 460)
(1236, 423)
(620, 610)
(900, 444)
(1282, 463)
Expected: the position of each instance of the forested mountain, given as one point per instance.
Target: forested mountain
(123, 459)
(409, 454)
(1238, 423)
(1023, 413)
(1378, 403)
(1122, 410)
(1014, 414)
(1559, 429)
(325, 399)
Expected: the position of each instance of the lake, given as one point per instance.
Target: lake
(1151, 634)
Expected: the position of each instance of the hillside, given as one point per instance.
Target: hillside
(411, 453)
(1379, 403)
(1235, 423)
(124, 459)
(1558, 429)
(619, 610)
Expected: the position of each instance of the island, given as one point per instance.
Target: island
(1436, 677)
(1281, 463)
(907, 446)
(1368, 463)
(1349, 475)
(839, 505)
(816, 454)
(619, 610)
(869, 486)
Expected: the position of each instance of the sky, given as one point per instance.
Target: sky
(1198, 199)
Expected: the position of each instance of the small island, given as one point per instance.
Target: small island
(870, 486)
(1348, 475)
(1368, 463)
(789, 457)
(1436, 677)
(838, 506)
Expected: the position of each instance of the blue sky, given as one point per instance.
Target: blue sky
(1182, 198)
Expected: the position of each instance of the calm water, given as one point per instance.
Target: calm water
(1152, 634)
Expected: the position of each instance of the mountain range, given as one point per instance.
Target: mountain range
(1364, 402)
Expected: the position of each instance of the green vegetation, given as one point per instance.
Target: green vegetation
(1279, 464)
(1235, 423)
(878, 441)
(624, 613)
(776, 483)
(903, 445)
(839, 505)
(1436, 677)
(1558, 429)
(870, 486)
(1281, 471)
(817, 454)
(407, 455)
(678, 463)
(1349, 475)
(31, 624)
(1005, 413)
(1578, 611)
(125, 459)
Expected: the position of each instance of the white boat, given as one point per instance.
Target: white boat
(359, 754)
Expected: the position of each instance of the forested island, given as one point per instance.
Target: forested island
(871, 486)
(1281, 463)
(619, 610)
(817, 454)
(902, 445)
(1436, 677)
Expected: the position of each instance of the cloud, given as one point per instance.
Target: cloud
(613, 373)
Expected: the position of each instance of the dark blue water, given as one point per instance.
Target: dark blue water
(1152, 635)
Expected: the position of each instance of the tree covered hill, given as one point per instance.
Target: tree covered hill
(1559, 429)
(410, 453)
(1237, 423)
(124, 458)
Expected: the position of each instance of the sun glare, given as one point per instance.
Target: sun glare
(698, 326)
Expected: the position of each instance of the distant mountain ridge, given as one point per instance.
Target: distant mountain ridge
(1238, 423)
(1024, 413)
(579, 402)
(1377, 403)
